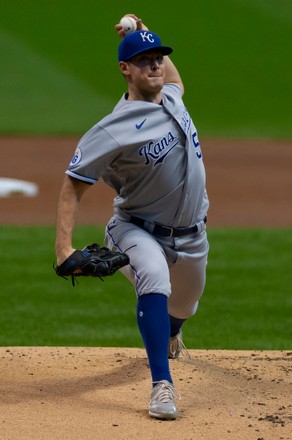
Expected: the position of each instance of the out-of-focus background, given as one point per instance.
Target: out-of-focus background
(59, 75)
(59, 69)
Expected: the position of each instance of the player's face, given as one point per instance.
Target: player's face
(146, 72)
(147, 60)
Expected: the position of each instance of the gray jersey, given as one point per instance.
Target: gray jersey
(150, 154)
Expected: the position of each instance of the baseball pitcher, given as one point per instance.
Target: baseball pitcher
(149, 151)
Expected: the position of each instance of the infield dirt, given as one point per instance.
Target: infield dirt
(102, 393)
(249, 182)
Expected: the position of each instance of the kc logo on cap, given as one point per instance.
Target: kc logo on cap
(138, 42)
(146, 35)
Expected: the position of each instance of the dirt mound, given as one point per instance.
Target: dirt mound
(102, 393)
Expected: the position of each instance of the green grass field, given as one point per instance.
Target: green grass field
(246, 304)
(59, 70)
(59, 75)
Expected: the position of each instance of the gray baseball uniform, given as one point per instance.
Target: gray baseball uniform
(150, 154)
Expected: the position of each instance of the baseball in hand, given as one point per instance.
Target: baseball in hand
(128, 24)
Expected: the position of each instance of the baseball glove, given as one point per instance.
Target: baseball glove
(93, 261)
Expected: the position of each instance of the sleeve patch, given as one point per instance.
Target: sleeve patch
(76, 157)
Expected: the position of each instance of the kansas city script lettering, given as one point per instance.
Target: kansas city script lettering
(157, 151)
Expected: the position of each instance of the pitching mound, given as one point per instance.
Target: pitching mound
(102, 393)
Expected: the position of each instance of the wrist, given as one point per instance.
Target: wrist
(63, 253)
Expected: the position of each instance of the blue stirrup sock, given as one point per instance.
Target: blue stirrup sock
(175, 325)
(153, 323)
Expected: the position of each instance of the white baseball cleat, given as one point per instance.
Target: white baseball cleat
(162, 405)
(176, 346)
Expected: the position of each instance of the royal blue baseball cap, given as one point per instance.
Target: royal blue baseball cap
(138, 42)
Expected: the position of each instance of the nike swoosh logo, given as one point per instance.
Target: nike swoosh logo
(138, 126)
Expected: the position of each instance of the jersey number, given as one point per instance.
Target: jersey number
(197, 144)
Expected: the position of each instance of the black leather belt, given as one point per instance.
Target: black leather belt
(165, 231)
